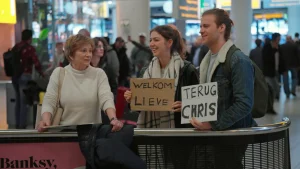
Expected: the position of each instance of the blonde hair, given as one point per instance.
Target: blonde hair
(74, 42)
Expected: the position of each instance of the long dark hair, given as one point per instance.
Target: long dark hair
(169, 32)
(105, 46)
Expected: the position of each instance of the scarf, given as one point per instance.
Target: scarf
(162, 119)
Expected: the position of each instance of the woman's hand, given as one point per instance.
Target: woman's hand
(127, 96)
(176, 106)
(46, 121)
(200, 125)
(117, 125)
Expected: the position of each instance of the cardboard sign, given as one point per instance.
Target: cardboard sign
(199, 101)
(152, 94)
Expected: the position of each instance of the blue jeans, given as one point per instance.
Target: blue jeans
(21, 108)
(286, 82)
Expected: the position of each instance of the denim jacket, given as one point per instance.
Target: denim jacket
(235, 95)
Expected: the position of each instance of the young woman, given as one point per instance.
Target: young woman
(100, 60)
(167, 46)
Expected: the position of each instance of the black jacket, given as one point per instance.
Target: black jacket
(105, 149)
(188, 76)
(203, 51)
(124, 70)
(290, 55)
(268, 55)
(111, 76)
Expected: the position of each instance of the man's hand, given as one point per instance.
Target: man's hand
(200, 125)
(176, 106)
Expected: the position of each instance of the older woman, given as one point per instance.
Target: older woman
(101, 60)
(84, 92)
(168, 48)
(85, 89)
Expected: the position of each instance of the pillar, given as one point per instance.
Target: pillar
(241, 14)
(7, 40)
(293, 20)
(133, 17)
(180, 24)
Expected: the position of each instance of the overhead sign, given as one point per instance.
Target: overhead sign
(152, 94)
(280, 4)
(205, 5)
(226, 4)
(200, 102)
(186, 9)
(103, 10)
(8, 11)
(269, 16)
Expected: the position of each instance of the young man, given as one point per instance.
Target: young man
(235, 88)
(235, 93)
(273, 63)
(256, 54)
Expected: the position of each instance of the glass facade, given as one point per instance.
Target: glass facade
(55, 20)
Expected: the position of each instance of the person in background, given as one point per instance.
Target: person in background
(101, 60)
(273, 63)
(140, 57)
(297, 40)
(58, 58)
(290, 55)
(168, 48)
(21, 78)
(256, 54)
(198, 51)
(84, 32)
(187, 54)
(124, 69)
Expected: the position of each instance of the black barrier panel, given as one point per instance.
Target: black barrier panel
(176, 153)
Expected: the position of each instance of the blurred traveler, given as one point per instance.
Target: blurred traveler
(23, 74)
(291, 59)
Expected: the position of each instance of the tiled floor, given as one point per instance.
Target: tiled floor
(288, 108)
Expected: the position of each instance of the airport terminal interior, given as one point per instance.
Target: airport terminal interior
(123, 27)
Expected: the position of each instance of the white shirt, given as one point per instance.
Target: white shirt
(211, 63)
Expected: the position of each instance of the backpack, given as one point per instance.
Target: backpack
(13, 62)
(261, 90)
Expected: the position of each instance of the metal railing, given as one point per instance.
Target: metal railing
(264, 147)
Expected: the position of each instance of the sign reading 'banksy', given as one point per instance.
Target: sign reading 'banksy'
(29, 163)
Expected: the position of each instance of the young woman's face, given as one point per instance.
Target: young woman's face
(159, 45)
(99, 49)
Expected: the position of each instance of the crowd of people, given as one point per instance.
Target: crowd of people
(94, 70)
